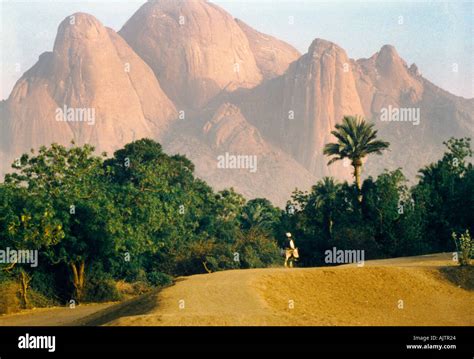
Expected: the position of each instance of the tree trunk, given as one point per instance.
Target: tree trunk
(328, 224)
(330, 227)
(357, 164)
(24, 284)
(78, 278)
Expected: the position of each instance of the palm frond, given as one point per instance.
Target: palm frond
(356, 138)
(331, 149)
(376, 147)
(334, 159)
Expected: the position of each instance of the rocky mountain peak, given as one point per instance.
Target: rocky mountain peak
(195, 48)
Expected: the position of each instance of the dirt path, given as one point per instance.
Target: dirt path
(407, 291)
(425, 290)
(56, 316)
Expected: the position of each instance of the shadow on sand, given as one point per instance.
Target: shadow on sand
(460, 276)
(135, 306)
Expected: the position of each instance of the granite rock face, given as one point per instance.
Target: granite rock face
(189, 75)
(228, 151)
(195, 48)
(273, 56)
(92, 88)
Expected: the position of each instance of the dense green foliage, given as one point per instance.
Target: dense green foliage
(142, 216)
(392, 219)
(139, 216)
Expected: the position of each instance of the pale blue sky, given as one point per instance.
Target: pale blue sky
(435, 35)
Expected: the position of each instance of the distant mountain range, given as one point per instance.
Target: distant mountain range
(204, 84)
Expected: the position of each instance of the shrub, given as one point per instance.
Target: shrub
(159, 279)
(256, 249)
(101, 290)
(202, 256)
(100, 286)
(9, 297)
(465, 247)
(44, 284)
(39, 300)
(133, 274)
(127, 289)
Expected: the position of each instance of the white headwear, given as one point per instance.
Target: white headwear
(288, 234)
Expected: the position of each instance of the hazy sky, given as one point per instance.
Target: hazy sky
(437, 36)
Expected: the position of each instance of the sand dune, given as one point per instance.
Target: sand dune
(412, 291)
(345, 295)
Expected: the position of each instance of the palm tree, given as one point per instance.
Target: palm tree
(356, 138)
(259, 212)
(325, 193)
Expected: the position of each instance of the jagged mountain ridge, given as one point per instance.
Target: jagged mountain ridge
(90, 68)
(170, 74)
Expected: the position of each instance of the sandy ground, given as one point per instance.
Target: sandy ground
(425, 290)
(56, 316)
(406, 291)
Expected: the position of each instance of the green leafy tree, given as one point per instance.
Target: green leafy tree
(230, 204)
(71, 181)
(26, 223)
(388, 208)
(163, 206)
(444, 196)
